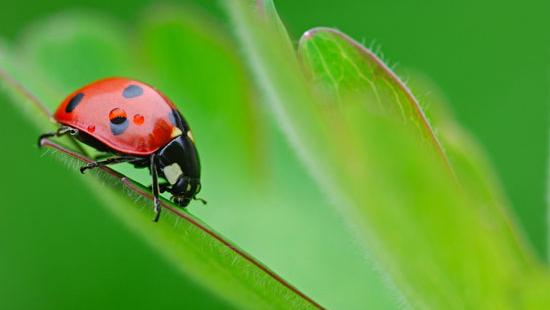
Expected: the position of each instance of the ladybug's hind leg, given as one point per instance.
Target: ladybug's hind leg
(102, 156)
(109, 161)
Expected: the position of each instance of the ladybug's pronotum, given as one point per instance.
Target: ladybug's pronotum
(137, 124)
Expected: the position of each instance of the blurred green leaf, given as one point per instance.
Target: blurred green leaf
(230, 126)
(275, 68)
(447, 251)
(430, 236)
(196, 65)
(267, 9)
(69, 51)
(349, 71)
(442, 245)
(10, 76)
(195, 250)
(277, 73)
(472, 167)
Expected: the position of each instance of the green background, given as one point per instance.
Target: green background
(491, 60)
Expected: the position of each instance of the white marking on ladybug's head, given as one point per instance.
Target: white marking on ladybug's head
(172, 173)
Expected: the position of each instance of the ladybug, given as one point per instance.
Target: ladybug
(134, 123)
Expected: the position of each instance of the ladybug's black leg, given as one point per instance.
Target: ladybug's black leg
(155, 185)
(163, 187)
(109, 161)
(102, 156)
(63, 130)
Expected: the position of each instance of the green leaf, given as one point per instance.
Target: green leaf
(10, 75)
(70, 51)
(293, 214)
(348, 71)
(280, 60)
(472, 167)
(196, 65)
(267, 9)
(195, 249)
(446, 243)
(429, 236)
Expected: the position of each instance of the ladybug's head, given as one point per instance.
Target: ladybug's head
(184, 190)
(178, 163)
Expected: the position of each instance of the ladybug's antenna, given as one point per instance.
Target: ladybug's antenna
(200, 199)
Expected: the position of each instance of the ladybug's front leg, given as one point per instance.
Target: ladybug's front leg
(155, 186)
(63, 130)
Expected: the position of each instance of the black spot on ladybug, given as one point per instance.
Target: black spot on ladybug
(119, 121)
(132, 91)
(74, 102)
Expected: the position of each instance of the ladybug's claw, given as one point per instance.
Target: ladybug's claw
(44, 136)
(157, 209)
(84, 168)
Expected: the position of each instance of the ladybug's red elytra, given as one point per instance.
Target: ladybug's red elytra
(136, 124)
